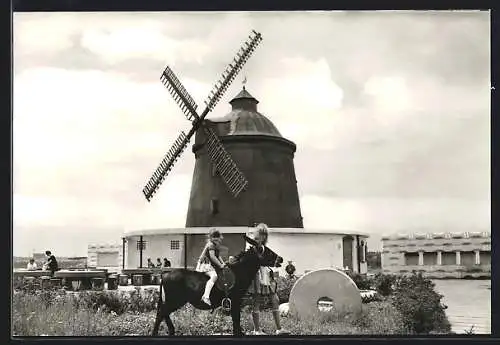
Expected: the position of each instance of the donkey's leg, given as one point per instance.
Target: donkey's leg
(158, 320)
(168, 306)
(170, 325)
(167, 311)
(159, 312)
(236, 316)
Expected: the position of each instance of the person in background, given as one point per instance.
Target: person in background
(31, 265)
(290, 269)
(150, 263)
(264, 286)
(51, 264)
(158, 263)
(166, 262)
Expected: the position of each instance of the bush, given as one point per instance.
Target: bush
(384, 283)
(381, 318)
(420, 305)
(120, 313)
(119, 302)
(284, 287)
(361, 280)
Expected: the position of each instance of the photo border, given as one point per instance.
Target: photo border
(257, 5)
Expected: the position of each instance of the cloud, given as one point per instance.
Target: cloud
(75, 118)
(310, 97)
(384, 215)
(389, 111)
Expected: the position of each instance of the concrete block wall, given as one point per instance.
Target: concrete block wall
(94, 250)
(452, 254)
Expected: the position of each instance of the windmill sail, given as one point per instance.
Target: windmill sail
(233, 69)
(165, 166)
(180, 94)
(232, 176)
(227, 169)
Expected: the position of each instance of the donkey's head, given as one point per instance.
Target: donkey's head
(265, 256)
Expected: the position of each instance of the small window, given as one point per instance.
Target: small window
(214, 206)
(141, 245)
(175, 245)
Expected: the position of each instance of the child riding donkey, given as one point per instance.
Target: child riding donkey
(210, 261)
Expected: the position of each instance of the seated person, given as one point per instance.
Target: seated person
(166, 262)
(150, 263)
(51, 264)
(32, 265)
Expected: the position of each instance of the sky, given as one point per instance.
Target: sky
(390, 112)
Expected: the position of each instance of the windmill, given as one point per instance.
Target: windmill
(233, 178)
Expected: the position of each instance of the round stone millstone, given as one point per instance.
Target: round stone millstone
(325, 284)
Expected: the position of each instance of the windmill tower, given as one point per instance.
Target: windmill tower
(264, 157)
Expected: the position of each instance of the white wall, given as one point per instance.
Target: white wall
(157, 246)
(97, 253)
(308, 251)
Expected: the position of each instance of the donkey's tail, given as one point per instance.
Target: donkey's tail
(160, 300)
(159, 311)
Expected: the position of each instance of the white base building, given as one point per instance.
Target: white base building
(307, 249)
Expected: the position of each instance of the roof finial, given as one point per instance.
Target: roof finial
(244, 81)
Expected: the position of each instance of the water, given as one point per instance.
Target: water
(469, 304)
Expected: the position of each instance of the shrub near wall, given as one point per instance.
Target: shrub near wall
(361, 281)
(384, 283)
(420, 305)
(413, 297)
(284, 287)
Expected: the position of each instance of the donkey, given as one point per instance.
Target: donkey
(183, 286)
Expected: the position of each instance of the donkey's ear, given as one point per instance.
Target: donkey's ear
(249, 240)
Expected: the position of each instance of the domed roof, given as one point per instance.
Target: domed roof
(245, 119)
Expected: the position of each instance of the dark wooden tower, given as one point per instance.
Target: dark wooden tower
(262, 155)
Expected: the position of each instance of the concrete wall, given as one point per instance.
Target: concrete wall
(107, 256)
(311, 251)
(436, 253)
(307, 251)
(157, 246)
(160, 246)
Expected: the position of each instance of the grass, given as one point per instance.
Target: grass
(64, 315)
